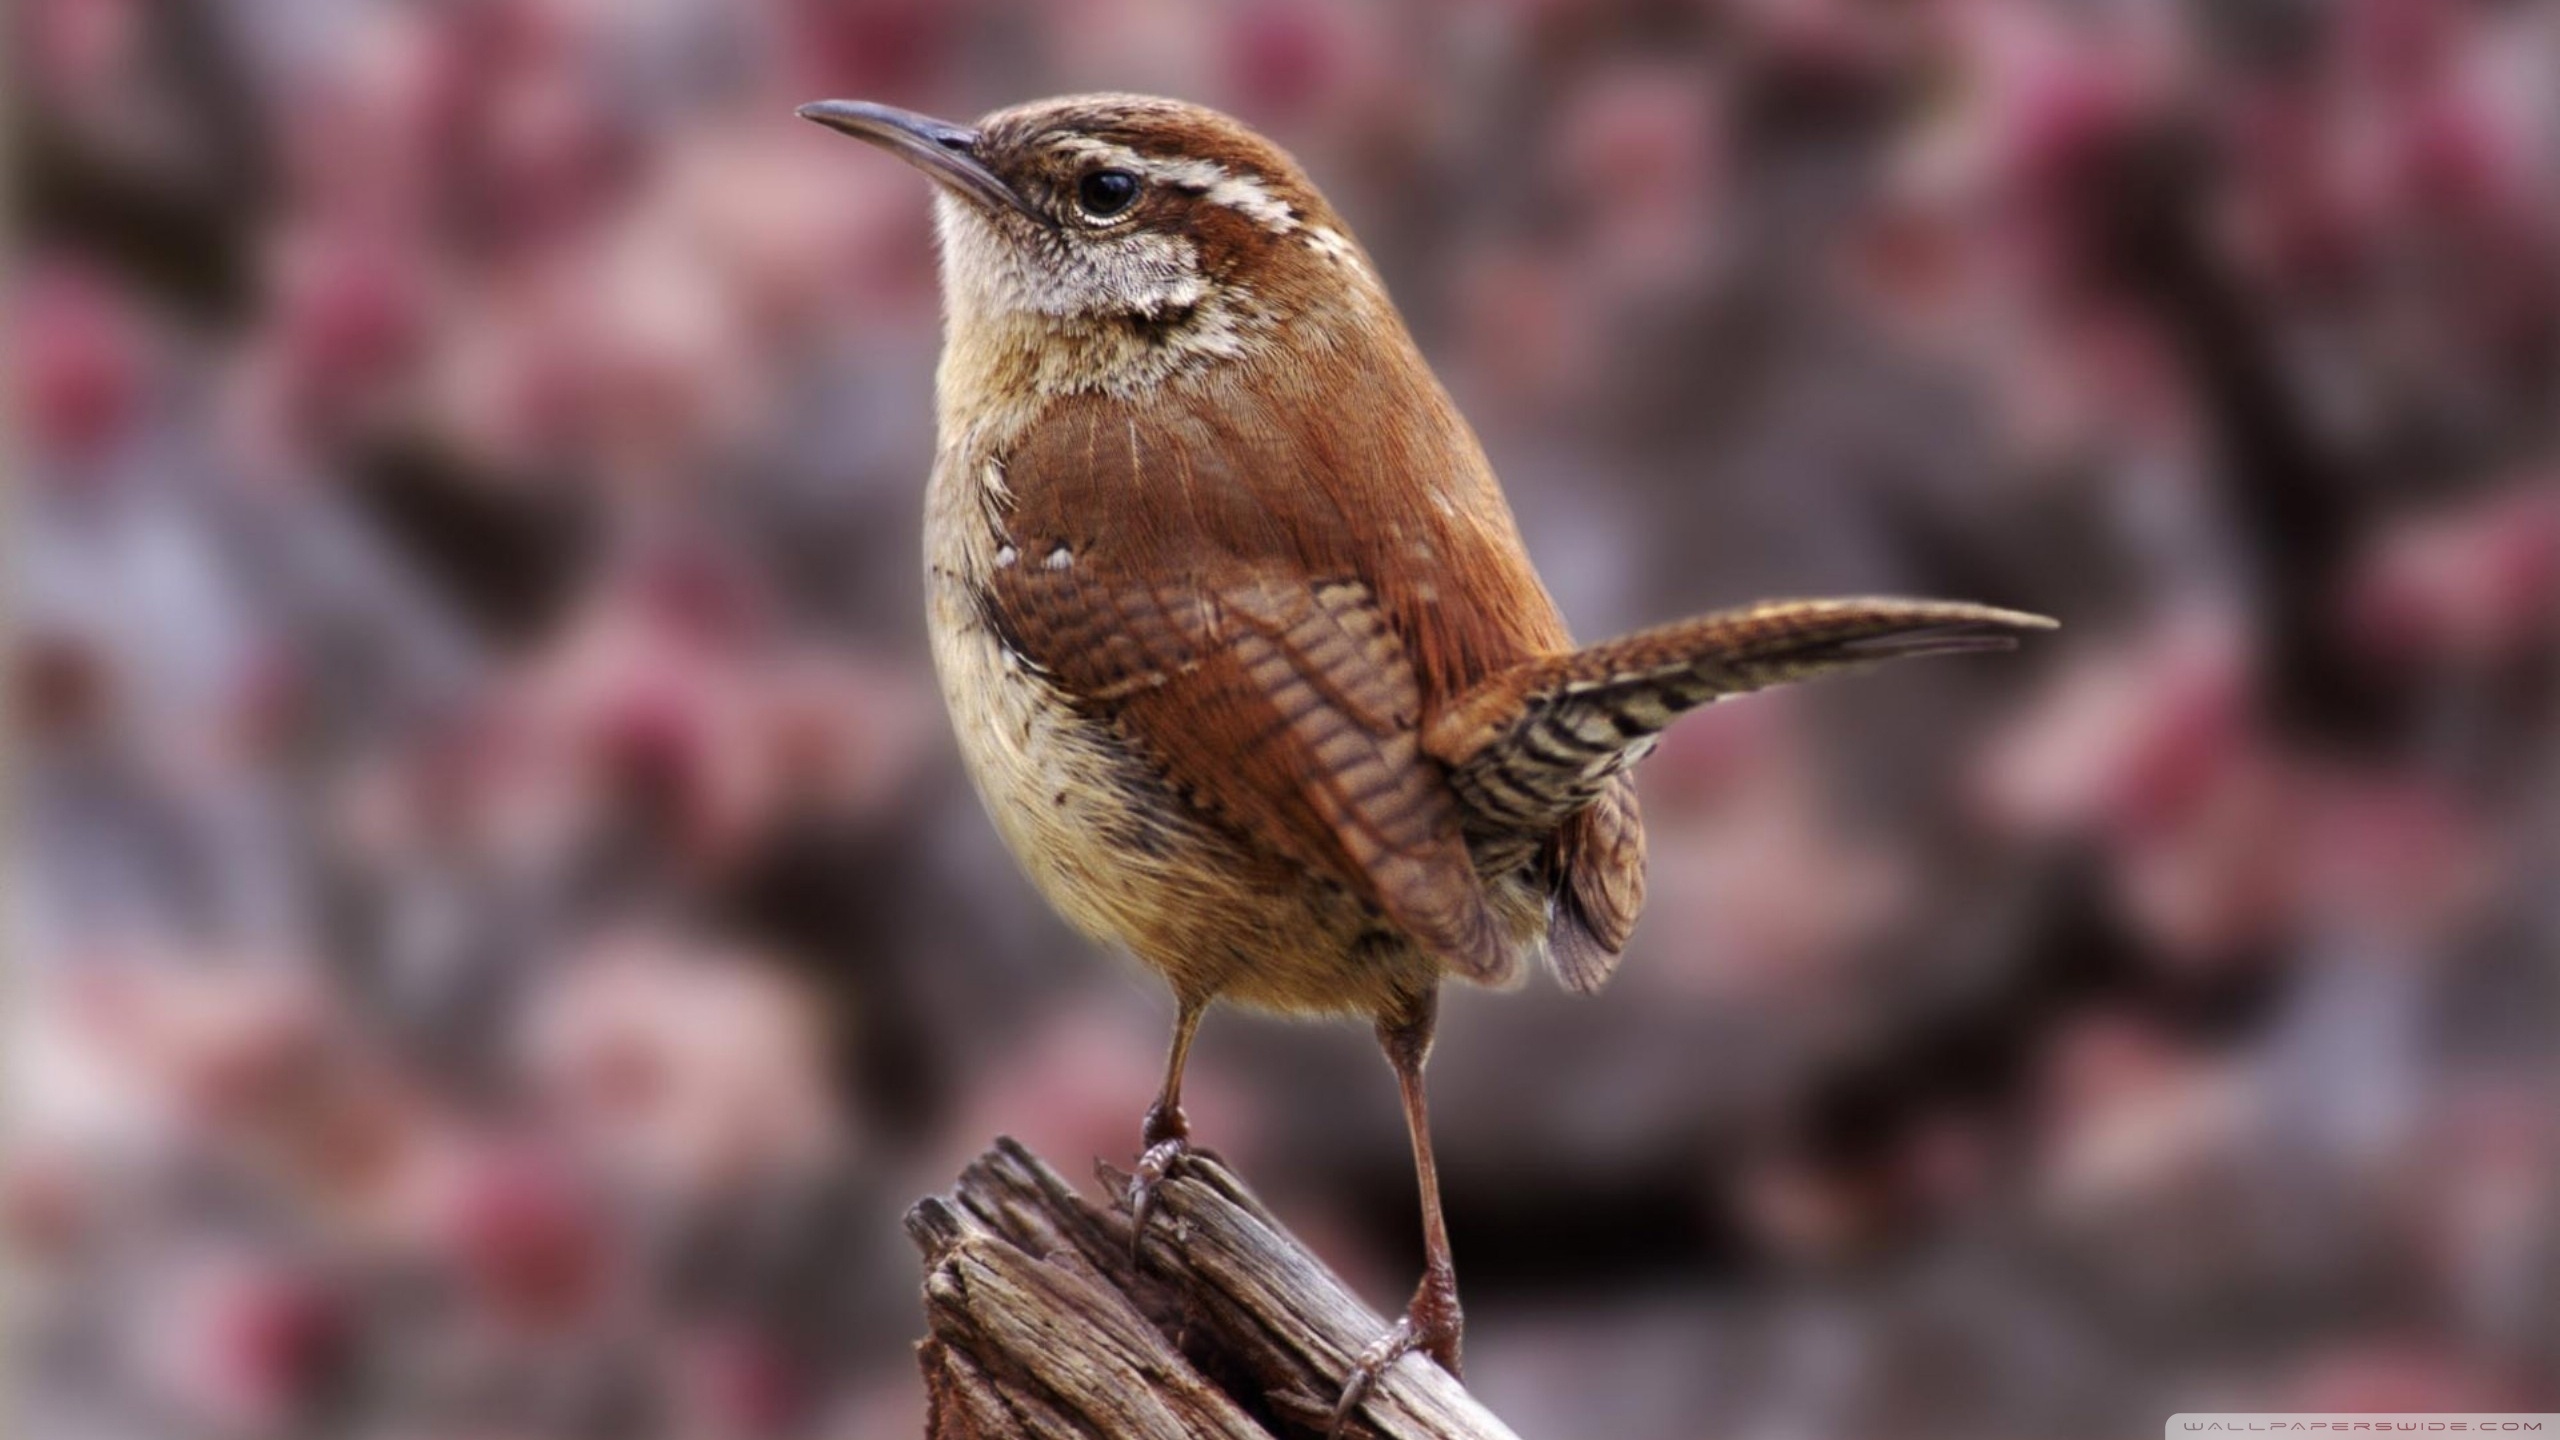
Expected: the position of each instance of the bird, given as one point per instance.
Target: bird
(1241, 644)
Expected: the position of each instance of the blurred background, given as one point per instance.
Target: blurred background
(500, 935)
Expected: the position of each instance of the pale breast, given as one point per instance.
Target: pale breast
(1047, 776)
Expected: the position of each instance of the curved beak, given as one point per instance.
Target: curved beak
(946, 152)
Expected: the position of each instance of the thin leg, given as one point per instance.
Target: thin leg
(1166, 1137)
(1433, 1323)
(1435, 1302)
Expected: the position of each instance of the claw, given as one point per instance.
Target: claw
(1154, 1167)
(1432, 1324)
(1401, 1339)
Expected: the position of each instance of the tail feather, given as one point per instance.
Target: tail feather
(1596, 865)
(1537, 743)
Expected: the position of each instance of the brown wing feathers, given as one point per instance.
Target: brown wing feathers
(1272, 689)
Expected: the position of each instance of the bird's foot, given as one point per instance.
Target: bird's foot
(1432, 1324)
(1154, 1168)
(1165, 1141)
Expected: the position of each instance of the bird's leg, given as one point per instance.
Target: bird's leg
(1432, 1324)
(1166, 1137)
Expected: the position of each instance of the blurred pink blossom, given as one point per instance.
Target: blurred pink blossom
(693, 1074)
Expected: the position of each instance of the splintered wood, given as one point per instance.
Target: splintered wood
(1042, 1326)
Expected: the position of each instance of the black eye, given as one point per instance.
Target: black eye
(1106, 193)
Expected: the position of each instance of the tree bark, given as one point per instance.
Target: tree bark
(1041, 1324)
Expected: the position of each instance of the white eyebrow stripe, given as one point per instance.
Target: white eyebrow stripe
(1330, 243)
(1244, 194)
(1248, 196)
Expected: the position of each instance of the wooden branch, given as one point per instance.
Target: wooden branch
(1042, 1326)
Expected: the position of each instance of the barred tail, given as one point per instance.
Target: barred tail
(1535, 744)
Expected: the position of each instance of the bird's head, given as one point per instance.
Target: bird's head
(1149, 233)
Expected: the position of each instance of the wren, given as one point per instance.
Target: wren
(1242, 646)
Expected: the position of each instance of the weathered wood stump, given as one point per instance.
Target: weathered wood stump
(1042, 1326)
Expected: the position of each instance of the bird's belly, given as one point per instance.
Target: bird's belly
(1129, 862)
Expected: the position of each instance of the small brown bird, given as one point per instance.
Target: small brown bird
(1244, 651)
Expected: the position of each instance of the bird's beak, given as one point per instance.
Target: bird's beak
(946, 152)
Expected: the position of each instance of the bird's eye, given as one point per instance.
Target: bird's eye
(1106, 193)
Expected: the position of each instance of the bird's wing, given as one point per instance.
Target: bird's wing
(1535, 744)
(1160, 591)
